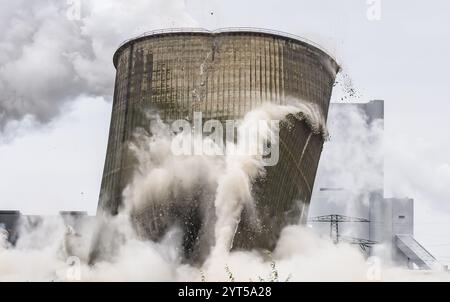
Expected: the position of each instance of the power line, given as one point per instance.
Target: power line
(334, 220)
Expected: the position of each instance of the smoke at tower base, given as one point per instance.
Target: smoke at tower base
(205, 194)
(51, 251)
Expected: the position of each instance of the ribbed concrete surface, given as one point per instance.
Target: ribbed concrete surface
(224, 75)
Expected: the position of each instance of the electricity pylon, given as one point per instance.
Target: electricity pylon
(334, 220)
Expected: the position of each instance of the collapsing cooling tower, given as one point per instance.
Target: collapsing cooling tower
(224, 74)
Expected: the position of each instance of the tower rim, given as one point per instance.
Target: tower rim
(224, 31)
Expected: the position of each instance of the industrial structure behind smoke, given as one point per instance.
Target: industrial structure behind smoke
(383, 227)
(224, 74)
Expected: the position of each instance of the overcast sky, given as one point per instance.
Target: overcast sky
(56, 79)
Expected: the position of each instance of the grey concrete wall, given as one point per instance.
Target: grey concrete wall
(389, 217)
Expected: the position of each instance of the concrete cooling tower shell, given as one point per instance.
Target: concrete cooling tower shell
(224, 74)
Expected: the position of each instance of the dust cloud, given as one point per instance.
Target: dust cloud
(49, 250)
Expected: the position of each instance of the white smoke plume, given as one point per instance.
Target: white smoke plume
(350, 171)
(234, 186)
(53, 51)
(352, 160)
